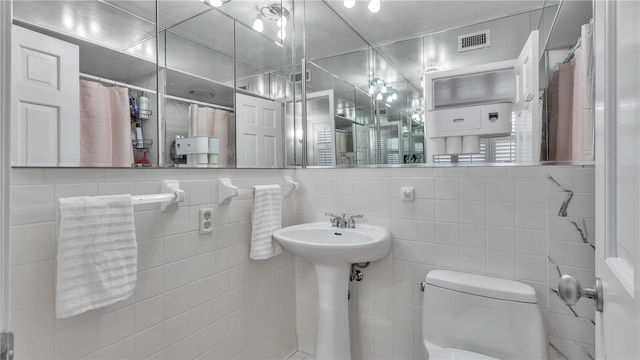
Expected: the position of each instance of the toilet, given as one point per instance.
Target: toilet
(468, 316)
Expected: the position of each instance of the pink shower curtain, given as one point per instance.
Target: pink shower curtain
(205, 121)
(105, 126)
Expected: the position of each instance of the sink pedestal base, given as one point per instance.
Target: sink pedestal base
(333, 341)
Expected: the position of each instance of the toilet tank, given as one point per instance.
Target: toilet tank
(495, 317)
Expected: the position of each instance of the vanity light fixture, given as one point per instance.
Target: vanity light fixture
(258, 25)
(374, 6)
(349, 3)
(379, 97)
(214, 3)
(282, 34)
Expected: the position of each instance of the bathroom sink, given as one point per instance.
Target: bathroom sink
(332, 250)
(322, 243)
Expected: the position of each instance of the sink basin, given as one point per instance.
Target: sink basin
(332, 251)
(322, 243)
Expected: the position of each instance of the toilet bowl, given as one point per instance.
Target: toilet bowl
(468, 316)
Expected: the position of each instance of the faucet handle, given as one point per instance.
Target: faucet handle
(351, 223)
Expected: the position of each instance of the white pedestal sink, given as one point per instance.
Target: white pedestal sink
(332, 251)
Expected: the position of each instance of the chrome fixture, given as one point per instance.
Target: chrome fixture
(341, 221)
(379, 89)
(274, 12)
(571, 291)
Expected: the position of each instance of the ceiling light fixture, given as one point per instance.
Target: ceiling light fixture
(258, 25)
(349, 3)
(282, 22)
(374, 6)
(215, 3)
(282, 34)
(379, 97)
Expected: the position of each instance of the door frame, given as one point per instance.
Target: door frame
(5, 162)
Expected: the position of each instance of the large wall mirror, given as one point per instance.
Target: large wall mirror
(441, 85)
(191, 83)
(282, 83)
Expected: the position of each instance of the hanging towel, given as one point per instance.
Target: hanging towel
(266, 217)
(97, 253)
(205, 121)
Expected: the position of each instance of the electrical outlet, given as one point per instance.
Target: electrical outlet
(206, 221)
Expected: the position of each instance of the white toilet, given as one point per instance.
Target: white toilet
(467, 316)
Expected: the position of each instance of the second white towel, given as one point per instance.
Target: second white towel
(266, 217)
(97, 253)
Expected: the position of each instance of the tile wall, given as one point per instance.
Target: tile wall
(196, 296)
(523, 223)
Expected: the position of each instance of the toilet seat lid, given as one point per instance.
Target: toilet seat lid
(481, 285)
(457, 354)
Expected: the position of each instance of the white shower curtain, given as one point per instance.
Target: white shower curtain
(105, 126)
(583, 142)
(205, 121)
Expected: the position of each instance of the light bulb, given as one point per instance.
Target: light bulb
(349, 3)
(383, 90)
(215, 3)
(374, 6)
(282, 22)
(282, 34)
(258, 25)
(389, 98)
(394, 96)
(379, 97)
(422, 83)
(371, 89)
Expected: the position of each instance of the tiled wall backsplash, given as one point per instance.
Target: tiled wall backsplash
(197, 296)
(201, 297)
(523, 223)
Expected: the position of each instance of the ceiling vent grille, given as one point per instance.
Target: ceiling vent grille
(296, 78)
(474, 41)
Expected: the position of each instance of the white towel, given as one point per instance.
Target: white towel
(97, 253)
(266, 217)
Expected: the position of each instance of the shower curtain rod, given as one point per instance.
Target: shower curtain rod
(133, 87)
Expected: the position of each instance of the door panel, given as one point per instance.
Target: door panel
(527, 123)
(259, 132)
(618, 177)
(45, 120)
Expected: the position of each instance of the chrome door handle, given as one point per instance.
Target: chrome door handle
(571, 291)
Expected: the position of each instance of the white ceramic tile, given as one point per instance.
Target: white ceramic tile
(500, 214)
(149, 283)
(33, 320)
(36, 279)
(473, 260)
(530, 267)
(473, 236)
(530, 190)
(150, 254)
(487, 171)
(571, 229)
(116, 326)
(176, 274)
(199, 192)
(572, 254)
(31, 243)
(501, 239)
(448, 256)
(447, 233)
(472, 212)
(424, 209)
(472, 189)
(77, 341)
(531, 216)
(501, 264)
(424, 187)
(531, 242)
(580, 205)
(424, 253)
(500, 189)
(401, 229)
(149, 341)
(447, 188)
(571, 328)
(149, 312)
(448, 211)
(401, 209)
(424, 231)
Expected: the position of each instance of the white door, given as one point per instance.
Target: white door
(259, 133)
(527, 122)
(45, 113)
(618, 177)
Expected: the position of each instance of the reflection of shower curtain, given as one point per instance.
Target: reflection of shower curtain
(204, 121)
(571, 115)
(105, 134)
(583, 142)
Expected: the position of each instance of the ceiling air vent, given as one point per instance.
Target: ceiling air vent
(474, 41)
(298, 77)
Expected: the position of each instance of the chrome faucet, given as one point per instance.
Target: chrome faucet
(341, 221)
